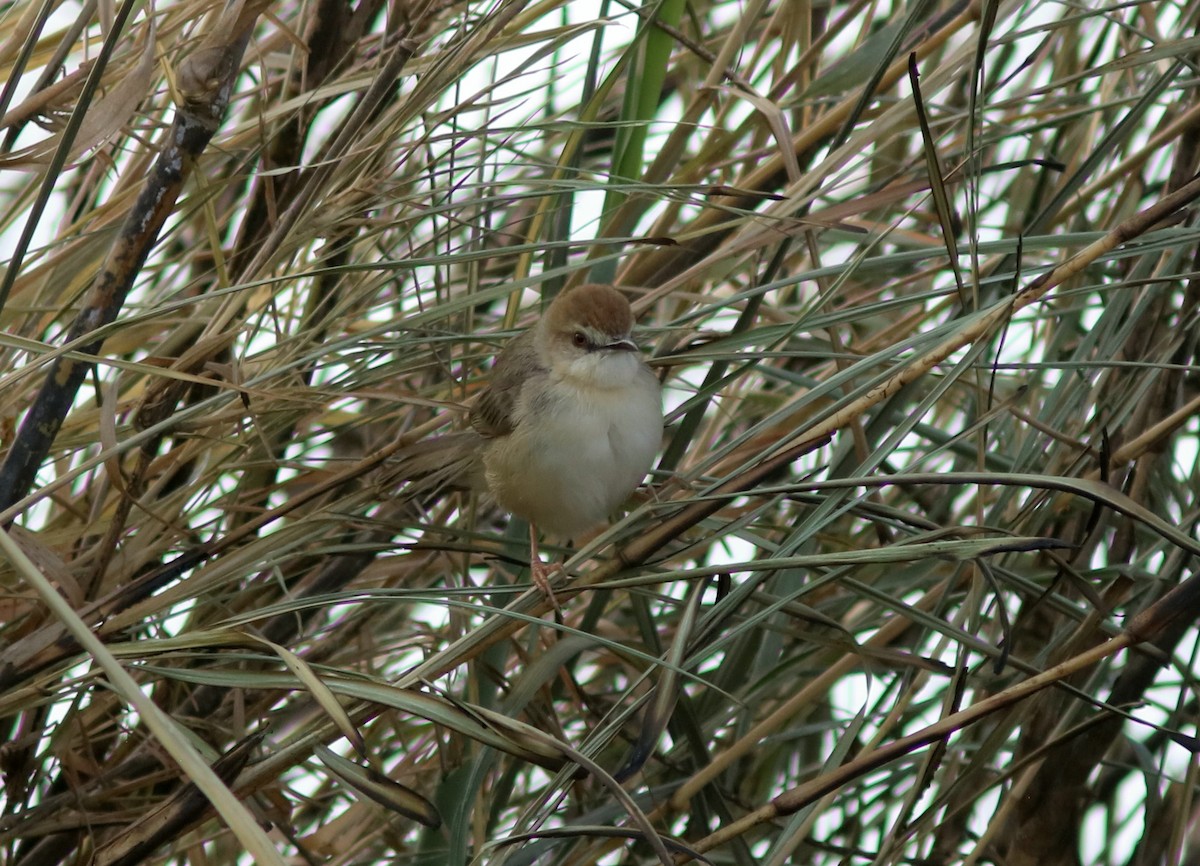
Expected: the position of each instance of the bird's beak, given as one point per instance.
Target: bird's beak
(623, 345)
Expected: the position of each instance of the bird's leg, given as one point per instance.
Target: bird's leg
(540, 572)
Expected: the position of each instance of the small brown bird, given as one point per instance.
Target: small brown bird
(567, 427)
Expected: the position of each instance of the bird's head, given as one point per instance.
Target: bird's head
(585, 336)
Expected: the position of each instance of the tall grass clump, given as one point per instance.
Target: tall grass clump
(912, 581)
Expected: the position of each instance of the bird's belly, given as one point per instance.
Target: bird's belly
(570, 470)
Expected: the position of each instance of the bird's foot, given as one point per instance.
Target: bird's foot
(540, 573)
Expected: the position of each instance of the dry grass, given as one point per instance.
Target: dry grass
(931, 364)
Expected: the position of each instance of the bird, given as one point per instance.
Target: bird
(566, 428)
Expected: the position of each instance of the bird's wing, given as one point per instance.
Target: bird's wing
(494, 411)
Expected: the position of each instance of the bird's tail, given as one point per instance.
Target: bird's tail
(431, 467)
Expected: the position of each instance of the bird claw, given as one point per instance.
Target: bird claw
(540, 573)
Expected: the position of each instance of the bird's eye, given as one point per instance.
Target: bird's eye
(579, 339)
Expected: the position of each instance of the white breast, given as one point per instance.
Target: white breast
(579, 450)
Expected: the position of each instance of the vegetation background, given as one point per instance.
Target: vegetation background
(920, 280)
